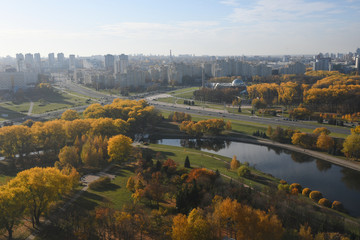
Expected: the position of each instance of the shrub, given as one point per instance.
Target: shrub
(337, 205)
(283, 182)
(294, 191)
(284, 187)
(297, 186)
(324, 202)
(306, 192)
(100, 183)
(243, 171)
(315, 195)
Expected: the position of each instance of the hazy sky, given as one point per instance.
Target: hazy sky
(212, 27)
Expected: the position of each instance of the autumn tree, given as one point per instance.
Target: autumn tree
(77, 128)
(50, 136)
(304, 140)
(195, 226)
(325, 142)
(69, 156)
(154, 190)
(103, 127)
(12, 207)
(243, 222)
(352, 144)
(130, 185)
(179, 117)
(305, 233)
(234, 164)
(119, 148)
(16, 140)
(94, 151)
(70, 115)
(43, 186)
(320, 130)
(94, 111)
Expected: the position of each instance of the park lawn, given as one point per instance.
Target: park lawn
(185, 93)
(183, 90)
(167, 99)
(115, 195)
(10, 114)
(50, 103)
(20, 108)
(66, 101)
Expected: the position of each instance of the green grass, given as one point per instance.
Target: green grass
(116, 195)
(167, 100)
(183, 90)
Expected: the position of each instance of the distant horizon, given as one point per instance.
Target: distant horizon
(44, 56)
(201, 27)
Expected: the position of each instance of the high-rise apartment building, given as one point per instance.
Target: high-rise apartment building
(109, 62)
(123, 63)
(29, 61)
(72, 61)
(60, 58)
(20, 62)
(37, 59)
(51, 57)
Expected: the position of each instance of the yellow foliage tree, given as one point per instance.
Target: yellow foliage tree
(43, 186)
(12, 206)
(305, 233)
(352, 146)
(195, 226)
(119, 148)
(234, 164)
(324, 142)
(70, 115)
(69, 156)
(321, 130)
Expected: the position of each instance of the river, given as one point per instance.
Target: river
(333, 181)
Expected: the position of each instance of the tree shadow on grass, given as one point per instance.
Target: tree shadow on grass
(164, 153)
(108, 187)
(10, 114)
(88, 200)
(120, 171)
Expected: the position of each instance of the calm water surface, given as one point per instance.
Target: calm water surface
(335, 182)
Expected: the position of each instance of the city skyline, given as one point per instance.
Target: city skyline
(222, 27)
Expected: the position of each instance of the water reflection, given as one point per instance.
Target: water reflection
(322, 165)
(208, 144)
(351, 178)
(300, 158)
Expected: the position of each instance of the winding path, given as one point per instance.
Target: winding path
(30, 108)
